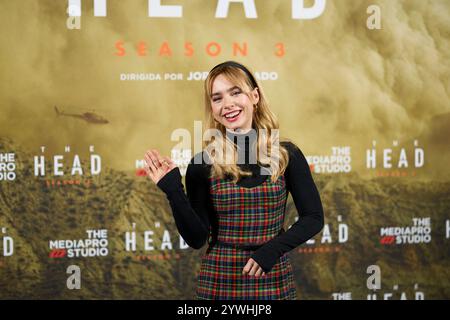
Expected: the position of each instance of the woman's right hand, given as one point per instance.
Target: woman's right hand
(157, 166)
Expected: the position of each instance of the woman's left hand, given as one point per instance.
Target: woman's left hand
(253, 269)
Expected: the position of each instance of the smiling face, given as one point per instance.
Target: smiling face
(231, 106)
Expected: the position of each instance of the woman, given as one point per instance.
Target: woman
(238, 206)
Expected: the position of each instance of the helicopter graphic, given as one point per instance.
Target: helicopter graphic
(90, 117)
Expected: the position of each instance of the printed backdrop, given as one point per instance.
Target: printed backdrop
(86, 87)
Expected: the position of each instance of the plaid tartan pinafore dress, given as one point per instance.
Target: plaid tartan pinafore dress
(245, 216)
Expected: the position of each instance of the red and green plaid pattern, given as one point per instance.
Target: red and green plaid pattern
(245, 216)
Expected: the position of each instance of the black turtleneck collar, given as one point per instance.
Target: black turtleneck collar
(244, 142)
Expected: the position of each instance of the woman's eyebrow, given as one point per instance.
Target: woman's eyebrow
(231, 89)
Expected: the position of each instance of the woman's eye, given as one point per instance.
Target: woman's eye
(233, 94)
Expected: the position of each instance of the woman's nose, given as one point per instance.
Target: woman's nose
(227, 102)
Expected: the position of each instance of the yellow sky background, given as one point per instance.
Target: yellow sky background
(339, 83)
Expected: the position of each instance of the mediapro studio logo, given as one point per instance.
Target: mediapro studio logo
(58, 253)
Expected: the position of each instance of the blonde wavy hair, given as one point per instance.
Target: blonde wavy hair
(222, 152)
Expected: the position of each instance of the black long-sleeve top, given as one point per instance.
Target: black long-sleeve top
(194, 212)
